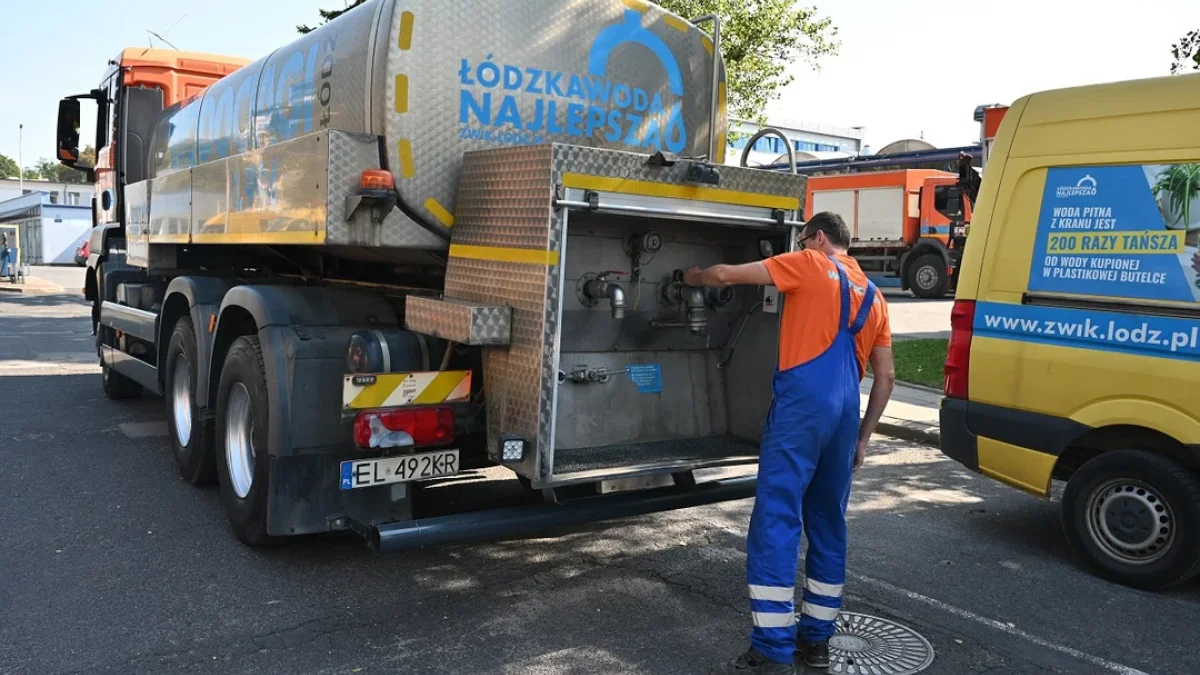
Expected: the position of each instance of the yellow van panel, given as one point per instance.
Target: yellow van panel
(983, 211)
(1140, 116)
(1093, 382)
(1093, 387)
(1022, 468)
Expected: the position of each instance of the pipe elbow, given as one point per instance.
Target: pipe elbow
(693, 297)
(616, 300)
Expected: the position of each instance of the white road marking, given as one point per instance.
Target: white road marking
(143, 429)
(1000, 626)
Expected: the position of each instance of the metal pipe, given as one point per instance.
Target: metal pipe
(600, 288)
(523, 520)
(716, 83)
(767, 131)
(693, 300)
(674, 213)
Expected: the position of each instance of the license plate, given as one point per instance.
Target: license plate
(366, 473)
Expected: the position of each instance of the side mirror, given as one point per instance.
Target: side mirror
(68, 131)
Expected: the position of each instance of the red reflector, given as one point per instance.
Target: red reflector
(377, 179)
(426, 426)
(958, 354)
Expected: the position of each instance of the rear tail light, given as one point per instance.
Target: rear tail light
(418, 427)
(958, 354)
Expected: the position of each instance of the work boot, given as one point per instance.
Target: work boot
(753, 663)
(816, 654)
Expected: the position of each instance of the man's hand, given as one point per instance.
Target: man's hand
(860, 455)
(719, 276)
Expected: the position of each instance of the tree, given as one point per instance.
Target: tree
(46, 169)
(759, 39)
(54, 171)
(8, 168)
(328, 15)
(1187, 49)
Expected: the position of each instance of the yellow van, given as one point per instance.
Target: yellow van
(1075, 344)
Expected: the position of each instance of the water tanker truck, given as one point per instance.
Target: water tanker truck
(432, 237)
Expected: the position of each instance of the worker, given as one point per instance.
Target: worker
(834, 321)
(3, 254)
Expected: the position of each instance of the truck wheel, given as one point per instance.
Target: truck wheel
(928, 277)
(1134, 516)
(243, 467)
(117, 386)
(191, 434)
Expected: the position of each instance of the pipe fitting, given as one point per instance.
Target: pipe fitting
(692, 299)
(600, 288)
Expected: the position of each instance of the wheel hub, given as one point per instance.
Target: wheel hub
(239, 440)
(181, 399)
(926, 277)
(1130, 521)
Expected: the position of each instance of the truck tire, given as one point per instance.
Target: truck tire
(191, 433)
(1134, 516)
(928, 277)
(243, 467)
(117, 386)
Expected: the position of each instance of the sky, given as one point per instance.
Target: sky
(905, 69)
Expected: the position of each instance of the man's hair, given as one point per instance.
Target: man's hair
(832, 225)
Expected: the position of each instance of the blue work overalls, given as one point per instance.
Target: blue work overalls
(804, 472)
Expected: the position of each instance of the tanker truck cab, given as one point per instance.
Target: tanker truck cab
(1075, 342)
(381, 256)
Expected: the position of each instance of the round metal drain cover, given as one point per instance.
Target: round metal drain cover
(869, 645)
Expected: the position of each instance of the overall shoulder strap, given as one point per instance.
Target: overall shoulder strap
(844, 283)
(864, 310)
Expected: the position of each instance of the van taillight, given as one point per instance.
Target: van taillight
(958, 355)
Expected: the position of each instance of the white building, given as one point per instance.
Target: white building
(809, 141)
(67, 194)
(46, 233)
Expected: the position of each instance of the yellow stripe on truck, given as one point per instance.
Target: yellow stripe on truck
(689, 192)
(439, 390)
(1022, 468)
(396, 390)
(503, 254)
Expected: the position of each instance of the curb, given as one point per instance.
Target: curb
(908, 431)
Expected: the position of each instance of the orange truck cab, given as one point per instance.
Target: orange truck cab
(139, 84)
(906, 227)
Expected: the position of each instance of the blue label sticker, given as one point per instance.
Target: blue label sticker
(1119, 231)
(1161, 336)
(347, 472)
(647, 377)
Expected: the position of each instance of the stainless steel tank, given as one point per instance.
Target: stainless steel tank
(432, 79)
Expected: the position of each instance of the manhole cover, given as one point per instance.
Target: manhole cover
(868, 645)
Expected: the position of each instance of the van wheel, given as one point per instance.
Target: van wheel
(242, 423)
(117, 386)
(191, 434)
(928, 277)
(1134, 517)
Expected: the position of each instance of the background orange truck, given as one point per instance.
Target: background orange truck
(908, 225)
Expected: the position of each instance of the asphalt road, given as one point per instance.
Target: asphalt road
(111, 564)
